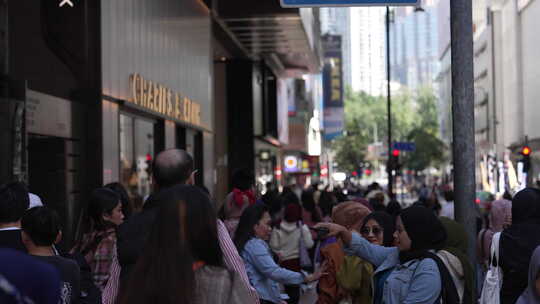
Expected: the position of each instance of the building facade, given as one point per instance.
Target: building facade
(505, 90)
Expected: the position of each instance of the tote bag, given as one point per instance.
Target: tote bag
(494, 277)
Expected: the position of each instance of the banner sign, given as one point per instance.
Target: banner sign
(329, 3)
(405, 146)
(333, 90)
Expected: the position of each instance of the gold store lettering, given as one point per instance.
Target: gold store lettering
(159, 98)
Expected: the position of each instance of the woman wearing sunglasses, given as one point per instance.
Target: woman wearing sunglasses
(378, 228)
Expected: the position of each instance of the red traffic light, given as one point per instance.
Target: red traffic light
(526, 151)
(148, 157)
(368, 172)
(395, 153)
(354, 173)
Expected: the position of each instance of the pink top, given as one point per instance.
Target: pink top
(232, 259)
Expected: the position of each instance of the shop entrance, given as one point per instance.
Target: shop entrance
(137, 150)
(192, 141)
(54, 174)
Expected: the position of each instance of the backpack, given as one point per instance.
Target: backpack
(449, 294)
(491, 290)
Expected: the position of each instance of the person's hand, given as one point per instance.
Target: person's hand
(333, 229)
(337, 231)
(322, 271)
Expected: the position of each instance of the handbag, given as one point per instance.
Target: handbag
(305, 260)
(494, 276)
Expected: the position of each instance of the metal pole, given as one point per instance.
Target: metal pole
(5, 104)
(389, 105)
(463, 118)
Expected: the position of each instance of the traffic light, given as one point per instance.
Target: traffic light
(526, 158)
(393, 161)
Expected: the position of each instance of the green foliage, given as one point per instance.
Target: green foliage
(414, 118)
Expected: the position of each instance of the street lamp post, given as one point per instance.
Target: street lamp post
(389, 106)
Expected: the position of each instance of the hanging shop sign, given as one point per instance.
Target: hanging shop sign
(159, 98)
(328, 3)
(333, 89)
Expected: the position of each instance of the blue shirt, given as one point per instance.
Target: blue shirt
(264, 274)
(416, 281)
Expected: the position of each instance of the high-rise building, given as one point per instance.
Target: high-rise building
(414, 45)
(337, 21)
(368, 50)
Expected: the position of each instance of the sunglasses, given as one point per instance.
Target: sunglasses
(375, 230)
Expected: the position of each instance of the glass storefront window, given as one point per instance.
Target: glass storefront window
(136, 155)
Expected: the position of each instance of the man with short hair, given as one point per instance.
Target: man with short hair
(40, 231)
(14, 201)
(170, 167)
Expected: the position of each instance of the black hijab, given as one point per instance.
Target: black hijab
(519, 241)
(425, 231)
(387, 224)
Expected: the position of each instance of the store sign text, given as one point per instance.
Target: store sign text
(160, 99)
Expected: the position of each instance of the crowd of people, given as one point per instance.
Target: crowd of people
(292, 246)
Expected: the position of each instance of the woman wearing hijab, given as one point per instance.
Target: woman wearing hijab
(499, 217)
(454, 256)
(531, 295)
(518, 242)
(415, 277)
(348, 277)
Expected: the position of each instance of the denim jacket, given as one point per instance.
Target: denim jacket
(416, 281)
(264, 274)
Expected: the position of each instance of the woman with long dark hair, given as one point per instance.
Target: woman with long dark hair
(98, 242)
(182, 261)
(264, 274)
(127, 206)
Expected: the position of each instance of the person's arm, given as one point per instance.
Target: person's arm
(425, 284)
(357, 245)
(308, 239)
(263, 262)
(233, 261)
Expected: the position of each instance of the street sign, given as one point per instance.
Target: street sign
(327, 3)
(405, 146)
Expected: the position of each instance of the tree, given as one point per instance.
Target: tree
(430, 150)
(414, 118)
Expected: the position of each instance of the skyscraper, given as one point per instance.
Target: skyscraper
(414, 45)
(368, 50)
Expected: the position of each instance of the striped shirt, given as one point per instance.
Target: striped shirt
(232, 259)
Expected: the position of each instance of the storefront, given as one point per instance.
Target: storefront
(156, 89)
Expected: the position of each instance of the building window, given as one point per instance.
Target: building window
(136, 155)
